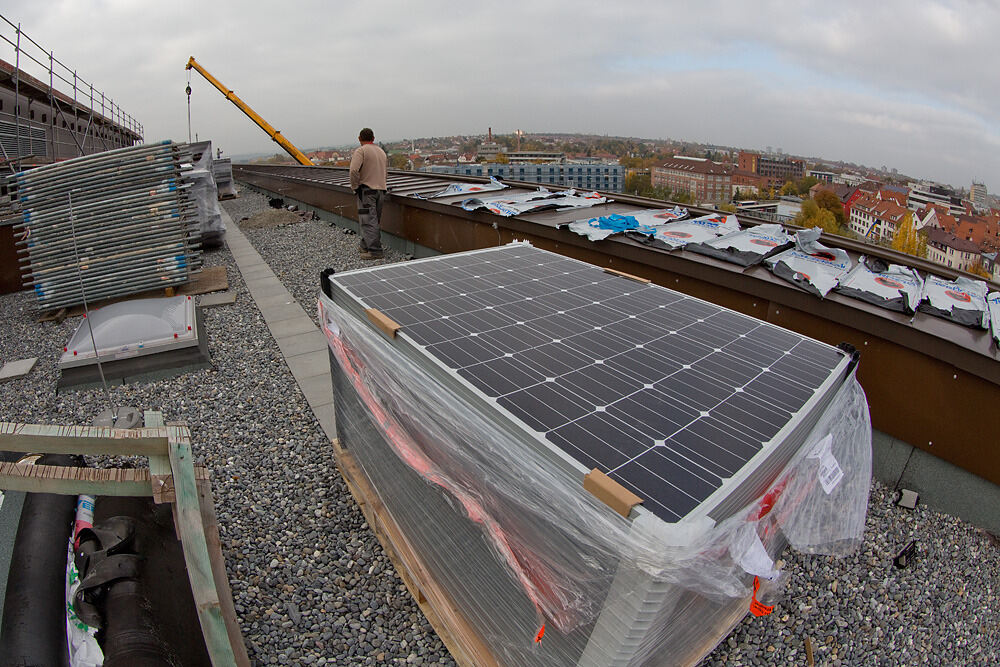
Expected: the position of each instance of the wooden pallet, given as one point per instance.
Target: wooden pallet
(455, 631)
(209, 279)
(171, 477)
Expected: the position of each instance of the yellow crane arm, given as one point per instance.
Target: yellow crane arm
(289, 147)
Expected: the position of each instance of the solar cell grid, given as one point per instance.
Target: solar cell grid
(669, 395)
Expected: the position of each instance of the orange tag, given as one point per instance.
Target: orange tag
(541, 633)
(757, 608)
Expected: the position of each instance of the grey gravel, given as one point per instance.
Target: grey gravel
(311, 583)
(860, 610)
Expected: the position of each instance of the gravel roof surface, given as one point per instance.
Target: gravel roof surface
(311, 583)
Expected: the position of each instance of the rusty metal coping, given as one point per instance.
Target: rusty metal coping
(971, 350)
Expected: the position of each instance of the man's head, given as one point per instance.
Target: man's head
(366, 135)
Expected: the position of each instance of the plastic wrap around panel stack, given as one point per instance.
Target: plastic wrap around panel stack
(534, 552)
(109, 224)
(206, 194)
(222, 170)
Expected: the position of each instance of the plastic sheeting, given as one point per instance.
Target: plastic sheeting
(222, 172)
(537, 200)
(597, 229)
(811, 265)
(535, 550)
(962, 300)
(464, 188)
(204, 190)
(887, 285)
(993, 306)
(747, 247)
(675, 235)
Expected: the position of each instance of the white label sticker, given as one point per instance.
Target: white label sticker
(830, 472)
(754, 558)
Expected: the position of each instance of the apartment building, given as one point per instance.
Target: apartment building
(947, 249)
(706, 181)
(777, 169)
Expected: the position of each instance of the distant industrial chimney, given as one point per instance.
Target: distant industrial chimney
(489, 134)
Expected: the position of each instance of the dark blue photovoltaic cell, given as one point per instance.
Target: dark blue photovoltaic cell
(669, 395)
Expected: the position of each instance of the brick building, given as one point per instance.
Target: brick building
(705, 180)
(777, 170)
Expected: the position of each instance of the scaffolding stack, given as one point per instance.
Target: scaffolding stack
(108, 225)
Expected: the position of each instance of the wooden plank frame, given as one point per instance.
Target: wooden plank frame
(171, 477)
(456, 632)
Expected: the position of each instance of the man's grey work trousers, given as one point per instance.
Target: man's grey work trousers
(369, 217)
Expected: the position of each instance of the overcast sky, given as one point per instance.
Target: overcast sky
(910, 85)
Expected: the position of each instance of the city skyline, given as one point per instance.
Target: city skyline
(895, 84)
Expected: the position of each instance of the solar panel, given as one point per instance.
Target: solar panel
(676, 399)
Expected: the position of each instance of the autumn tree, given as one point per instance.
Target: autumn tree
(908, 239)
(977, 269)
(398, 161)
(812, 215)
(637, 183)
(831, 202)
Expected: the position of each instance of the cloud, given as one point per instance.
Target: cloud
(895, 83)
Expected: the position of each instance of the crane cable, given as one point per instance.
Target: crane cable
(188, 91)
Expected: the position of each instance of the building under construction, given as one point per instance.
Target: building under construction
(48, 112)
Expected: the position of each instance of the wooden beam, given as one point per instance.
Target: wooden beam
(161, 477)
(49, 439)
(211, 523)
(187, 512)
(455, 631)
(67, 480)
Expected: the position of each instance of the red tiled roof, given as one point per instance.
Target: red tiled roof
(949, 240)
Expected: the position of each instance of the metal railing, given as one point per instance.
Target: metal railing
(102, 125)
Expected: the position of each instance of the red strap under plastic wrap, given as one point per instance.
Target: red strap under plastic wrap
(757, 608)
(523, 564)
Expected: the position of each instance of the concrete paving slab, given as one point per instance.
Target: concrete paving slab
(272, 288)
(13, 370)
(260, 281)
(327, 419)
(242, 248)
(249, 261)
(292, 346)
(272, 300)
(309, 365)
(291, 327)
(256, 271)
(318, 389)
(281, 312)
(217, 299)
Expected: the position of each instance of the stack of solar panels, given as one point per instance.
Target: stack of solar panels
(510, 406)
(108, 225)
(222, 170)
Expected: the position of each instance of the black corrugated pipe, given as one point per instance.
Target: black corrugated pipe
(129, 638)
(33, 633)
(110, 596)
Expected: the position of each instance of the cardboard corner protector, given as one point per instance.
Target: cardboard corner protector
(610, 492)
(384, 324)
(616, 272)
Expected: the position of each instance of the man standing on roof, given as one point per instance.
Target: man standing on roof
(369, 167)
